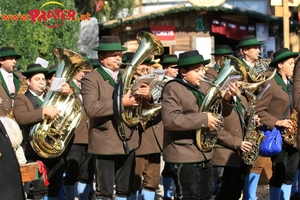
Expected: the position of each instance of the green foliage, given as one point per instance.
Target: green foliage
(112, 9)
(33, 39)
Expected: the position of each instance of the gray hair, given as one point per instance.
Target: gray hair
(13, 130)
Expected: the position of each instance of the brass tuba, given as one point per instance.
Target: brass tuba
(50, 137)
(131, 116)
(212, 102)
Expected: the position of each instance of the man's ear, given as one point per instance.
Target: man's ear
(182, 71)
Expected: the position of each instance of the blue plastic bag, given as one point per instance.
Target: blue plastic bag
(272, 144)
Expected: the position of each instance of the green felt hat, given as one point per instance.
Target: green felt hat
(33, 69)
(247, 41)
(9, 52)
(51, 71)
(109, 43)
(282, 55)
(127, 57)
(169, 59)
(148, 61)
(189, 58)
(95, 63)
(222, 50)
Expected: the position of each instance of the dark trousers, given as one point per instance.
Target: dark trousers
(167, 171)
(231, 184)
(80, 165)
(284, 166)
(193, 181)
(55, 169)
(114, 169)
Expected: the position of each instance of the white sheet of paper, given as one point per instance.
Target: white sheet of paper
(56, 84)
(42, 62)
(160, 73)
(143, 79)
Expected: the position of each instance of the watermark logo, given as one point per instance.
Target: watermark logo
(51, 14)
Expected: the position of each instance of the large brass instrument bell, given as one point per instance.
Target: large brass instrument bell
(50, 137)
(212, 102)
(131, 116)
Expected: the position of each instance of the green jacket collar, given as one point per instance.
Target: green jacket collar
(279, 81)
(15, 80)
(106, 76)
(245, 64)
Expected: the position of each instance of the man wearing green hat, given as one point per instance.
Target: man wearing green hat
(191, 168)
(250, 48)
(275, 112)
(28, 111)
(220, 51)
(10, 80)
(212, 73)
(113, 150)
(168, 62)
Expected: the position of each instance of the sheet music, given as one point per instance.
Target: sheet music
(56, 84)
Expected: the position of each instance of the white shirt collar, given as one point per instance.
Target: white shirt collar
(249, 64)
(5, 73)
(109, 71)
(41, 97)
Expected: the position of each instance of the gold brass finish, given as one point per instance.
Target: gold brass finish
(50, 137)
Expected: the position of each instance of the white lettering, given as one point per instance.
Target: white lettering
(163, 33)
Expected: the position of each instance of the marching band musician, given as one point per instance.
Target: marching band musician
(10, 80)
(114, 158)
(284, 164)
(220, 51)
(212, 73)
(230, 144)
(249, 47)
(169, 61)
(147, 168)
(28, 111)
(79, 165)
(191, 168)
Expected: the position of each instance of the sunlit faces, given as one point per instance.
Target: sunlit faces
(286, 68)
(8, 63)
(110, 59)
(251, 53)
(171, 72)
(35, 81)
(193, 74)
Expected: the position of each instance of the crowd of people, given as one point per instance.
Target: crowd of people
(124, 159)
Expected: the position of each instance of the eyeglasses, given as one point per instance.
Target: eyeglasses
(142, 70)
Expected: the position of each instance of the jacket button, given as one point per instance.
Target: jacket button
(202, 125)
(0, 154)
(237, 130)
(6, 135)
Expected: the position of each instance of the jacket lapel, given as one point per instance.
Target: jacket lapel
(106, 76)
(4, 85)
(280, 82)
